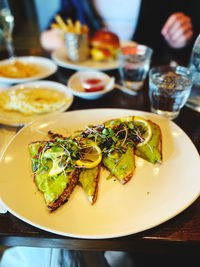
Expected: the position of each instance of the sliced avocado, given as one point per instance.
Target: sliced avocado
(121, 165)
(152, 151)
(88, 179)
(51, 186)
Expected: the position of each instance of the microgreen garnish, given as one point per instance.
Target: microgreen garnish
(111, 138)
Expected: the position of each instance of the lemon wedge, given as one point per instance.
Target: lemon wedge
(91, 158)
(55, 156)
(147, 129)
(126, 119)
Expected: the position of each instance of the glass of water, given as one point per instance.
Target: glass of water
(194, 65)
(6, 26)
(134, 67)
(169, 89)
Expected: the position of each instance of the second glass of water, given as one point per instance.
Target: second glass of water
(194, 65)
(134, 67)
(169, 89)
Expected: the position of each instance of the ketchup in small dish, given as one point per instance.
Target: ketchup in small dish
(93, 85)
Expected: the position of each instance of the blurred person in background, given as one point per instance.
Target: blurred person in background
(162, 25)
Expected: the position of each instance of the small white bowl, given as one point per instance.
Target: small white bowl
(76, 84)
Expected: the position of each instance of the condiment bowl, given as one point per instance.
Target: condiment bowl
(90, 84)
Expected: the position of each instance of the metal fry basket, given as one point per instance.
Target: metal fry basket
(77, 46)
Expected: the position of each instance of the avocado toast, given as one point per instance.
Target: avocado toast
(89, 181)
(62, 163)
(57, 169)
(55, 182)
(152, 150)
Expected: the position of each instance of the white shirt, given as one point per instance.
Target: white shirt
(119, 16)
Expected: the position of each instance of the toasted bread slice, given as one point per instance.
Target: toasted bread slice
(89, 180)
(56, 189)
(121, 165)
(152, 150)
(72, 180)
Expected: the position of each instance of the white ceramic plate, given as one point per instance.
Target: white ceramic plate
(60, 58)
(18, 119)
(6, 134)
(155, 194)
(76, 85)
(47, 67)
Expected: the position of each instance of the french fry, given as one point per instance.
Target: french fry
(61, 23)
(77, 27)
(70, 23)
(69, 26)
(54, 25)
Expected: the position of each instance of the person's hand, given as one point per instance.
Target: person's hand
(177, 30)
(51, 39)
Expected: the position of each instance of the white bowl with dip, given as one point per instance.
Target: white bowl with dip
(90, 84)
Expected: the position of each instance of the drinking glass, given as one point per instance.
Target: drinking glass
(134, 66)
(169, 89)
(6, 26)
(194, 65)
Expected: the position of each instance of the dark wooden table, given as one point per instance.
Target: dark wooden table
(182, 233)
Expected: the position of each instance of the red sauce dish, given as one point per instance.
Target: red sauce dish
(93, 84)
